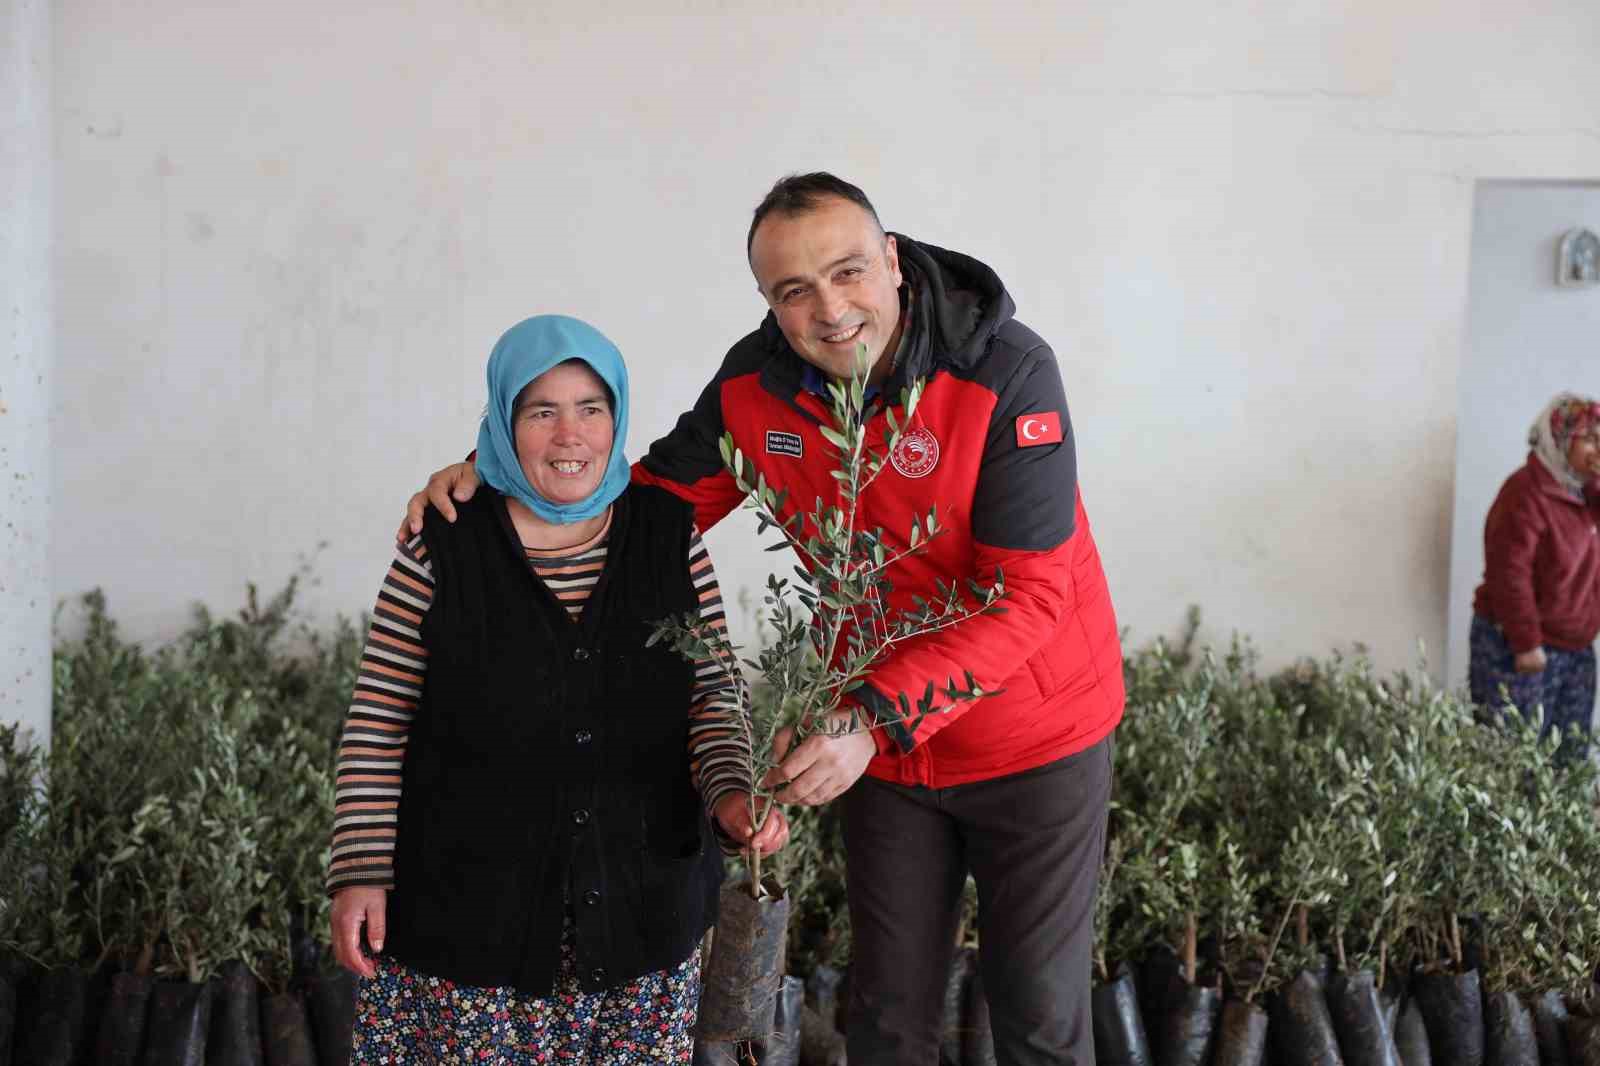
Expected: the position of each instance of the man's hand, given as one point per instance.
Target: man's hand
(1530, 662)
(353, 907)
(457, 481)
(733, 814)
(823, 766)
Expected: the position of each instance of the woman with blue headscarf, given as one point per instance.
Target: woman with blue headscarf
(523, 785)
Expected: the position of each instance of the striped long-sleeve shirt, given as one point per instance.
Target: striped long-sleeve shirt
(389, 686)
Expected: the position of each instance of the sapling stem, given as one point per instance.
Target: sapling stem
(1455, 941)
(1191, 937)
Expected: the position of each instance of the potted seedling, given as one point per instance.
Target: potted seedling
(1242, 944)
(1453, 814)
(827, 627)
(1120, 1037)
(295, 849)
(41, 924)
(1174, 766)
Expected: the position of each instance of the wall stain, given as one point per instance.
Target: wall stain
(200, 227)
(106, 131)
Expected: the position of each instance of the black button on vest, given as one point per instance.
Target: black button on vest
(501, 819)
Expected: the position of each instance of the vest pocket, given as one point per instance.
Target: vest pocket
(673, 835)
(670, 881)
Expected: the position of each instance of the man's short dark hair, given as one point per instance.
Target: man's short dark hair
(799, 193)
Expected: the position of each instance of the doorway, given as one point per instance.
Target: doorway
(1527, 338)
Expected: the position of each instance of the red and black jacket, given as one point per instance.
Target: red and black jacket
(984, 448)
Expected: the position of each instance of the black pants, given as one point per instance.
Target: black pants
(1032, 842)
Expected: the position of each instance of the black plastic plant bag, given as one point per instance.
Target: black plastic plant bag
(1119, 1034)
(235, 1018)
(178, 1025)
(1302, 1028)
(977, 1039)
(8, 1015)
(1452, 1008)
(1361, 1021)
(782, 1046)
(50, 1029)
(1550, 1028)
(741, 979)
(1241, 1035)
(305, 953)
(820, 1043)
(122, 1020)
(823, 989)
(1189, 1030)
(962, 966)
(716, 1053)
(1509, 1036)
(1411, 1036)
(286, 1032)
(1583, 1040)
(1156, 977)
(333, 1016)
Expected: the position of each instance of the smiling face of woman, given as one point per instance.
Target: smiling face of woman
(563, 427)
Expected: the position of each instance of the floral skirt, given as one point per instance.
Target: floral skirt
(403, 1016)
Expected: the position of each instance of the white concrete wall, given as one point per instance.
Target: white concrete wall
(1527, 339)
(291, 231)
(26, 362)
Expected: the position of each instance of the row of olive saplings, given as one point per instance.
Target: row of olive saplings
(163, 867)
(182, 927)
(1323, 867)
(1317, 867)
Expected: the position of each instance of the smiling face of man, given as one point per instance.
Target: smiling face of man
(832, 279)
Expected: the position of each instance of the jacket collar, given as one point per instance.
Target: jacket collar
(1548, 485)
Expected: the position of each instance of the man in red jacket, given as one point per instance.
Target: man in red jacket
(1011, 788)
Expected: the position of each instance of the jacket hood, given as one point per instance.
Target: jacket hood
(957, 303)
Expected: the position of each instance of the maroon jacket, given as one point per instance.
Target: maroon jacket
(1541, 574)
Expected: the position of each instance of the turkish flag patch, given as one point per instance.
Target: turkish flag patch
(1041, 427)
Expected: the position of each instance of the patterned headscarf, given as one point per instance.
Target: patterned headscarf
(1562, 419)
(527, 350)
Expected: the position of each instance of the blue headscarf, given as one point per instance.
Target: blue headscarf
(527, 350)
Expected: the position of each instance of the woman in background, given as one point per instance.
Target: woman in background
(521, 830)
(1536, 615)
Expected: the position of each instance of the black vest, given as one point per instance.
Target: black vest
(548, 766)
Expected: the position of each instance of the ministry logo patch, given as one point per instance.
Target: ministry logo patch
(917, 453)
(781, 443)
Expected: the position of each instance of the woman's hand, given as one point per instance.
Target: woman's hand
(733, 814)
(354, 907)
(1529, 662)
(458, 481)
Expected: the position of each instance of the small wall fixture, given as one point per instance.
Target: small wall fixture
(1579, 261)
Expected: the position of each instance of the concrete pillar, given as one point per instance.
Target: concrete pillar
(27, 355)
